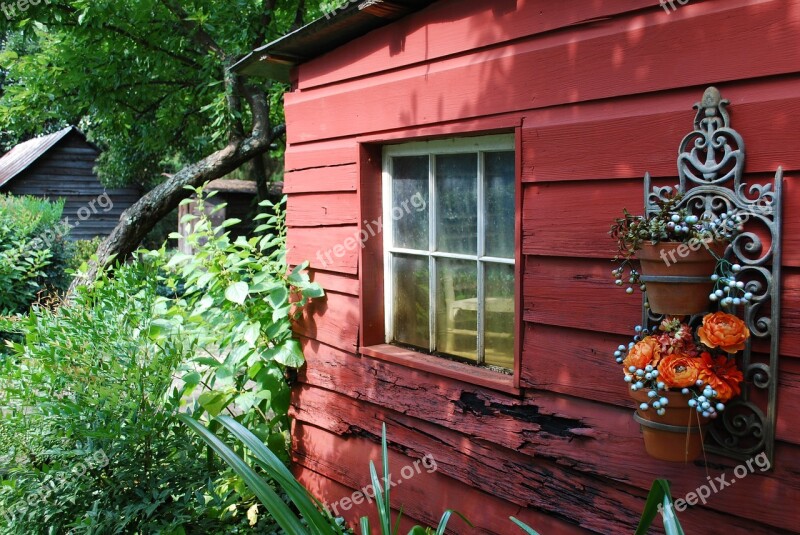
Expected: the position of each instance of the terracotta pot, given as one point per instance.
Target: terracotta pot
(676, 436)
(689, 273)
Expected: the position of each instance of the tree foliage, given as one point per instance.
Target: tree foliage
(145, 79)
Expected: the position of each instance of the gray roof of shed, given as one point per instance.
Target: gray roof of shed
(275, 60)
(23, 155)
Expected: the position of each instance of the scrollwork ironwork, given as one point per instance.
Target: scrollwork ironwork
(711, 162)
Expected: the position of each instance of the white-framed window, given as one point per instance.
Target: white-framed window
(449, 247)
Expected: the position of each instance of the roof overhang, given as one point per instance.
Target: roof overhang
(275, 60)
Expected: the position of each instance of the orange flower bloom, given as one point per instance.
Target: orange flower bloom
(678, 371)
(725, 331)
(721, 374)
(646, 351)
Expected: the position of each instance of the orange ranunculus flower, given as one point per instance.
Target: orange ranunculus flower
(646, 351)
(678, 370)
(724, 331)
(721, 374)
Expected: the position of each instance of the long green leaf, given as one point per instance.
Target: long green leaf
(284, 516)
(386, 480)
(446, 518)
(660, 495)
(281, 474)
(525, 527)
(365, 529)
(380, 501)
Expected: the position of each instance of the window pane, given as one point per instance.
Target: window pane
(499, 187)
(410, 202)
(410, 290)
(498, 340)
(457, 308)
(456, 203)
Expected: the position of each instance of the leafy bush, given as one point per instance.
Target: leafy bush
(33, 251)
(89, 395)
(89, 422)
(236, 300)
(82, 251)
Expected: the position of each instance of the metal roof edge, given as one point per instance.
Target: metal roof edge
(275, 60)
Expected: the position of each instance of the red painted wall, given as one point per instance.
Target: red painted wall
(600, 93)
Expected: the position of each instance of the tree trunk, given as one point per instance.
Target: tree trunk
(137, 220)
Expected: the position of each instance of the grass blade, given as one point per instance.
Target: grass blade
(384, 513)
(386, 480)
(284, 516)
(305, 503)
(525, 527)
(659, 500)
(446, 518)
(365, 529)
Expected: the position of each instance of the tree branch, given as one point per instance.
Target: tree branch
(266, 19)
(137, 220)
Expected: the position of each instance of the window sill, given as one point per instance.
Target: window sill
(443, 367)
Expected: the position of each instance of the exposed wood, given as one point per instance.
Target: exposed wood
(597, 104)
(438, 366)
(558, 68)
(490, 514)
(556, 353)
(567, 430)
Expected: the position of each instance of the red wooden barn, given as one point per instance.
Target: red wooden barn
(558, 109)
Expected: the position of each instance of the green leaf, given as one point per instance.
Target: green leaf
(659, 499)
(525, 527)
(290, 354)
(237, 292)
(278, 297)
(192, 378)
(213, 402)
(268, 497)
(307, 506)
(251, 334)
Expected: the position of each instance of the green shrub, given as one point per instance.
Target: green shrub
(90, 393)
(236, 299)
(33, 251)
(89, 426)
(82, 251)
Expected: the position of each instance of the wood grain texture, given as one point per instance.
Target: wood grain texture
(600, 102)
(617, 58)
(560, 360)
(327, 248)
(325, 154)
(318, 179)
(332, 320)
(583, 435)
(435, 33)
(322, 209)
(489, 514)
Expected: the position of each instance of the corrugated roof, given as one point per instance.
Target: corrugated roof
(276, 59)
(23, 155)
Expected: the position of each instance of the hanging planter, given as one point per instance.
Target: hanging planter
(677, 276)
(677, 435)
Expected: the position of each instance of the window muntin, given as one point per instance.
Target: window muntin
(449, 219)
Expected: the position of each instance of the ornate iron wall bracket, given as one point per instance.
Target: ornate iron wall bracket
(710, 169)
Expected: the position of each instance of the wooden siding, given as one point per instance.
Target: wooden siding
(603, 93)
(67, 171)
